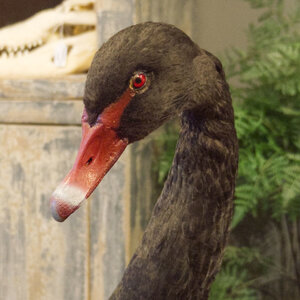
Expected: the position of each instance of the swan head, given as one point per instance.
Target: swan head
(141, 77)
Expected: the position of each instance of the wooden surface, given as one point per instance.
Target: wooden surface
(108, 232)
(41, 112)
(82, 258)
(113, 16)
(143, 194)
(68, 87)
(40, 258)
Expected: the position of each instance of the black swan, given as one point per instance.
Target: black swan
(141, 77)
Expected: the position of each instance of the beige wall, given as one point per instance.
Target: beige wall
(213, 24)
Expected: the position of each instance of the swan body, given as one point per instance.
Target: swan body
(143, 76)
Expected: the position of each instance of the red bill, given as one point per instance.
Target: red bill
(100, 148)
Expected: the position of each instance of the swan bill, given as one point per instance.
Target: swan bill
(100, 148)
(65, 200)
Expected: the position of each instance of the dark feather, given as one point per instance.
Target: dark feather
(182, 247)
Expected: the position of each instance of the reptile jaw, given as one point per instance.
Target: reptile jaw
(6, 51)
(62, 39)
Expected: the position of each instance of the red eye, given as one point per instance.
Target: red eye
(139, 80)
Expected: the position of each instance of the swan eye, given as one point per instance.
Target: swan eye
(138, 80)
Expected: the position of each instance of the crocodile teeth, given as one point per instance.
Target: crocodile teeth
(17, 51)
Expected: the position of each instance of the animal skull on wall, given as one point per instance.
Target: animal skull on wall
(51, 43)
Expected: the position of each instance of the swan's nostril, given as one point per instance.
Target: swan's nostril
(89, 161)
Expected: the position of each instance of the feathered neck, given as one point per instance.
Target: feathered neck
(182, 247)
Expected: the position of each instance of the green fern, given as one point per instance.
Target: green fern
(233, 282)
(268, 114)
(267, 111)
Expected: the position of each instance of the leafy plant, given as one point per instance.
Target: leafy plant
(267, 112)
(233, 281)
(268, 115)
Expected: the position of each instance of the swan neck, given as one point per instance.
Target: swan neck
(182, 247)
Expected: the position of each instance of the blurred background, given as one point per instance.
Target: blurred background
(45, 50)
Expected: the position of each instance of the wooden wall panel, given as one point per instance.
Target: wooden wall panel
(109, 213)
(143, 193)
(113, 16)
(68, 87)
(108, 230)
(40, 258)
(63, 112)
(177, 12)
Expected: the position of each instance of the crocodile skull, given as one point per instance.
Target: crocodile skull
(53, 42)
